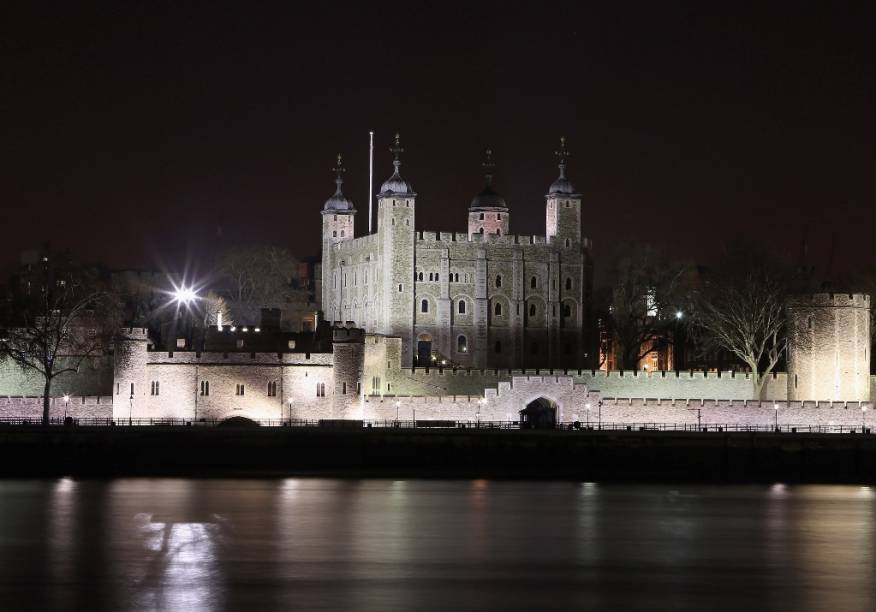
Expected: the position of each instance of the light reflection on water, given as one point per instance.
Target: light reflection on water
(329, 544)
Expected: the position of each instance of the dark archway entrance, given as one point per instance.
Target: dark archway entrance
(539, 414)
(238, 421)
(424, 350)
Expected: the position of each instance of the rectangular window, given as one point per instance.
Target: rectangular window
(153, 388)
(272, 389)
(401, 288)
(132, 389)
(239, 390)
(344, 388)
(320, 389)
(205, 387)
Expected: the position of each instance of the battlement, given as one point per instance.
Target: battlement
(348, 334)
(831, 300)
(445, 238)
(238, 358)
(134, 333)
(355, 245)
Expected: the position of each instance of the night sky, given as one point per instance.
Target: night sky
(145, 135)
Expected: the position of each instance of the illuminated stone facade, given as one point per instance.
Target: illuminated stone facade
(483, 298)
(829, 347)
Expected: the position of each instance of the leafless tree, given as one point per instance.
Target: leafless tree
(251, 278)
(62, 315)
(743, 312)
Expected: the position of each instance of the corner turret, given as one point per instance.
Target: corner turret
(488, 212)
(563, 210)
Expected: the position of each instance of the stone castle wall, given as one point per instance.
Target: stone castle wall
(666, 385)
(31, 407)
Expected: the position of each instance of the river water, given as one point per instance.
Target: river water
(334, 544)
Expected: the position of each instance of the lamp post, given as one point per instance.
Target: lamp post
(863, 418)
(131, 410)
(66, 403)
(290, 413)
(587, 414)
(397, 404)
(699, 418)
(599, 406)
(776, 409)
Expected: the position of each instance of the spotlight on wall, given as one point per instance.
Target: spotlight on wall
(678, 314)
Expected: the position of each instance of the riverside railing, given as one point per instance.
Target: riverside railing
(575, 426)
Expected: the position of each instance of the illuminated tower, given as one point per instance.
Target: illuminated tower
(563, 206)
(338, 216)
(395, 244)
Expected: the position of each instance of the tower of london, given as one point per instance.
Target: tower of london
(483, 298)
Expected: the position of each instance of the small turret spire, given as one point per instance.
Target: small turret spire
(339, 174)
(562, 154)
(489, 166)
(396, 150)
(338, 203)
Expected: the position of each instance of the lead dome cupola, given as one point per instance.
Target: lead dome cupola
(562, 186)
(488, 199)
(395, 185)
(338, 203)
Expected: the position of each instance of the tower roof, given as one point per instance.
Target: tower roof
(562, 186)
(488, 199)
(338, 203)
(396, 185)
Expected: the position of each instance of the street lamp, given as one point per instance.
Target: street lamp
(679, 314)
(599, 406)
(863, 417)
(587, 408)
(776, 408)
(66, 403)
(397, 404)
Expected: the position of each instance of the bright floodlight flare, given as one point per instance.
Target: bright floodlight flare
(185, 295)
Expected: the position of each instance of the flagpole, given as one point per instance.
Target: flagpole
(370, 177)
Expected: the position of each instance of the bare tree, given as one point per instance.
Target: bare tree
(743, 312)
(251, 278)
(639, 313)
(62, 315)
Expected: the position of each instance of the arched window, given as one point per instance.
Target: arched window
(533, 282)
(481, 230)
(342, 233)
(334, 233)
(498, 232)
(498, 347)
(532, 310)
(420, 276)
(460, 308)
(568, 282)
(482, 218)
(497, 309)
(567, 310)
(424, 306)
(461, 344)
(498, 281)
(568, 243)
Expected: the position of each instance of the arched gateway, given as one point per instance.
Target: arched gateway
(539, 414)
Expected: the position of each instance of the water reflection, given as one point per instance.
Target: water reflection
(315, 544)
